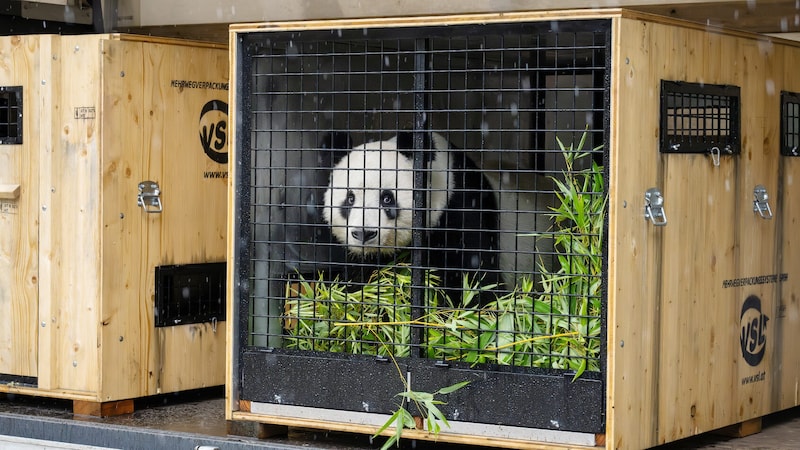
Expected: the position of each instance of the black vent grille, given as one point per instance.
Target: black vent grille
(11, 115)
(699, 118)
(190, 293)
(790, 123)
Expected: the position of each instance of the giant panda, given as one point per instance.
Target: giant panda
(369, 206)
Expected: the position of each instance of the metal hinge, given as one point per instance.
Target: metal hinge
(654, 207)
(761, 202)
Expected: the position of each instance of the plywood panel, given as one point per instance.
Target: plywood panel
(712, 236)
(163, 95)
(187, 99)
(786, 323)
(20, 65)
(718, 238)
(187, 103)
(199, 346)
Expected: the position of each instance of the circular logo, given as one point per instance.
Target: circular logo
(753, 338)
(214, 130)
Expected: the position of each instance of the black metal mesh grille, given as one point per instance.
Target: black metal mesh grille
(11, 115)
(699, 118)
(510, 276)
(790, 123)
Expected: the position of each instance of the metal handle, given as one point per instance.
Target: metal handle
(149, 197)
(761, 202)
(654, 207)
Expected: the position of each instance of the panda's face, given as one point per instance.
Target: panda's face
(369, 201)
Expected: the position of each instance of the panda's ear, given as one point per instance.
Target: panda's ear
(333, 147)
(405, 145)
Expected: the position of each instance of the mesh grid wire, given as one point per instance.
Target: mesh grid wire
(503, 97)
(790, 123)
(698, 117)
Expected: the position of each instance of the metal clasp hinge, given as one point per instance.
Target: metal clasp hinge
(149, 197)
(761, 202)
(654, 207)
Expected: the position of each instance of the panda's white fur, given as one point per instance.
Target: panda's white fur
(524, 204)
(367, 172)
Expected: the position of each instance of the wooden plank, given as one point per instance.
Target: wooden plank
(72, 219)
(754, 324)
(193, 223)
(786, 316)
(255, 430)
(191, 356)
(126, 310)
(9, 191)
(426, 20)
(232, 347)
(102, 409)
(20, 65)
(47, 142)
(634, 252)
(742, 429)
(51, 393)
(763, 17)
(409, 434)
(452, 18)
(179, 42)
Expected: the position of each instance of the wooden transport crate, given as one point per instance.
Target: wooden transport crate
(700, 297)
(86, 119)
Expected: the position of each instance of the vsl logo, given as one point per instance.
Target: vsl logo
(214, 130)
(754, 328)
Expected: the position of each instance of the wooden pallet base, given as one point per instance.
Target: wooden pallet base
(741, 429)
(256, 430)
(102, 409)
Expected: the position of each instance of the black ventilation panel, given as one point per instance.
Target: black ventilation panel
(700, 118)
(790, 123)
(10, 115)
(190, 293)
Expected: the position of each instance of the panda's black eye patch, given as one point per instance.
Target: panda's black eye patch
(389, 204)
(349, 201)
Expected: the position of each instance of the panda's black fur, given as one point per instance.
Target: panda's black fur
(462, 238)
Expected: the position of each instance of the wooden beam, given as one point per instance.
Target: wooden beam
(102, 409)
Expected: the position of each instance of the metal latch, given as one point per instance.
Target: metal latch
(761, 202)
(654, 207)
(149, 197)
(716, 153)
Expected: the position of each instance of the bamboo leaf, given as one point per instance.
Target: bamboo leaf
(453, 387)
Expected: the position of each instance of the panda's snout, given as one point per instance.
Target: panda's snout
(364, 234)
